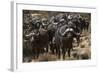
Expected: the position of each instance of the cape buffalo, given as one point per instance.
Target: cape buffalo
(64, 39)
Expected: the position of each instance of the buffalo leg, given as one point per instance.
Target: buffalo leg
(68, 52)
(51, 48)
(47, 48)
(37, 53)
(58, 51)
(34, 53)
(63, 52)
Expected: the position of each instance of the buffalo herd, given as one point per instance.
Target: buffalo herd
(53, 35)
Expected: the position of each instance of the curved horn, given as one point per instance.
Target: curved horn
(31, 34)
(65, 31)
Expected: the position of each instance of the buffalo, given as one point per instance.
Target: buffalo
(64, 39)
(40, 42)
